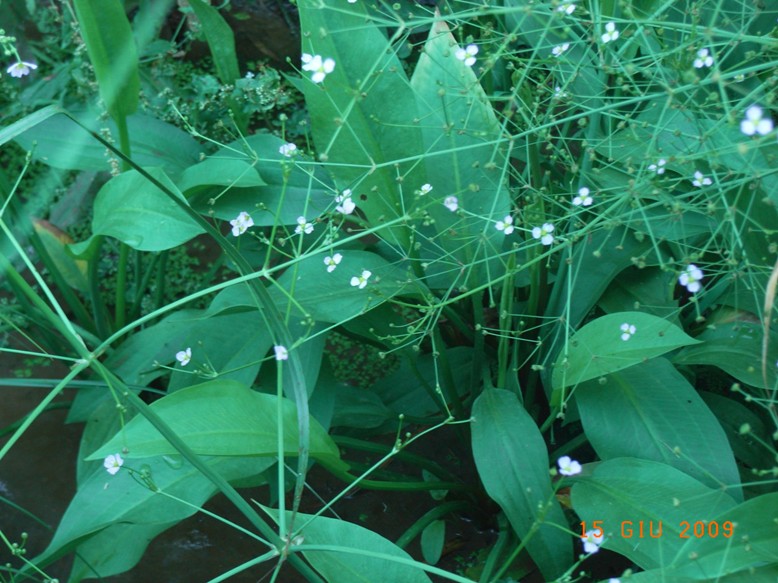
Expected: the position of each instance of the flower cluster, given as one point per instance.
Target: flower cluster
(691, 278)
(544, 233)
(360, 281)
(318, 66)
(756, 122)
(288, 150)
(303, 226)
(425, 189)
(568, 466)
(701, 180)
(704, 59)
(332, 262)
(560, 49)
(184, 356)
(112, 463)
(583, 198)
(592, 541)
(241, 223)
(345, 205)
(20, 69)
(610, 33)
(505, 225)
(659, 167)
(467, 54)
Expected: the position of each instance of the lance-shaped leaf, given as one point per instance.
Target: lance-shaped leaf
(223, 418)
(512, 460)
(111, 47)
(603, 347)
(363, 113)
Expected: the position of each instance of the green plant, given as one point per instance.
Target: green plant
(557, 219)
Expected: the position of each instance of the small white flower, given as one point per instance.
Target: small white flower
(249, 75)
(20, 69)
(627, 331)
(361, 280)
(281, 352)
(610, 32)
(704, 59)
(544, 233)
(184, 356)
(659, 167)
(346, 205)
(700, 179)
(303, 226)
(559, 94)
(241, 223)
(614, 580)
(425, 189)
(112, 463)
(505, 225)
(592, 541)
(583, 198)
(691, 278)
(288, 150)
(467, 54)
(559, 49)
(566, 7)
(451, 203)
(568, 466)
(332, 262)
(352, 1)
(320, 67)
(755, 122)
(739, 78)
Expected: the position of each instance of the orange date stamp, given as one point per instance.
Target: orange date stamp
(654, 529)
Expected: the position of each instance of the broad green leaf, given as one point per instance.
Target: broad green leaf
(463, 158)
(216, 171)
(221, 40)
(123, 499)
(433, 537)
(61, 143)
(735, 348)
(74, 271)
(754, 542)
(136, 212)
(627, 490)
(223, 418)
(115, 549)
(650, 411)
(733, 416)
(232, 345)
(645, 289)
(597, 260)
(363, 113)
(598, 349)
(292, 187)
(310, 291)
(512, 461)
(111, 47)
(350, 553)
